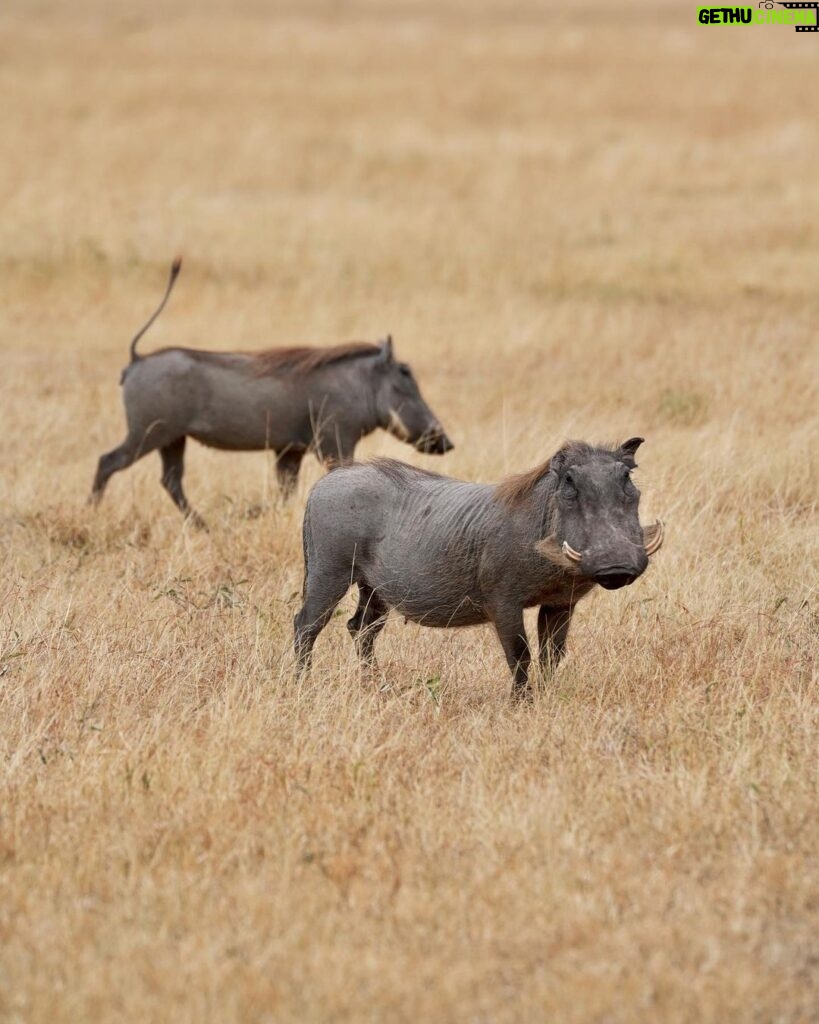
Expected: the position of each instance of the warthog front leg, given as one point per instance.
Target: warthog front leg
(552, 631)
(369, 619)
(334, 447)
(512, 635)
(288, 464)
(173, 466)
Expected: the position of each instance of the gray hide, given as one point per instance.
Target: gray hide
(447, 553)
(290, 401)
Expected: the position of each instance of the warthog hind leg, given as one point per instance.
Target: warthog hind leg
(369, 619)
(320, 600)
(112, 462)
(173, 466)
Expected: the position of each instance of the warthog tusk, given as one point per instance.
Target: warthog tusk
(551, 548)
(653, 537)
(570, 552)
(397, 427)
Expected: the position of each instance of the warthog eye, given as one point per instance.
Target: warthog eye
(568, 484)
(625, 474)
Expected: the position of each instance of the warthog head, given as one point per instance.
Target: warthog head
(597, 528)
(401, 409)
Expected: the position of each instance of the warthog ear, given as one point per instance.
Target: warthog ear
(653, 537)
(627, 450)
(557, 461)
(551, 548)
(385, 355)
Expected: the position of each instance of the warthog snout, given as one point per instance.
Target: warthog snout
(435, 443)
(616, 576)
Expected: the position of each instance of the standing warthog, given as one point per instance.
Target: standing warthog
(287, 400)
(447, 553)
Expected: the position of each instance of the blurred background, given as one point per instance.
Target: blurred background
(590, 220)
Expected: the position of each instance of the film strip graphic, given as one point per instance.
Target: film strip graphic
(802, 7)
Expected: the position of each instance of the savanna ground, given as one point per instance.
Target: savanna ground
(589, 222)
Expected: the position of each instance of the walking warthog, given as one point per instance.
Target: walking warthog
(447, 553)
(287, 400)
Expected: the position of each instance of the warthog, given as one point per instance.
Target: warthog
(447, 553)
(287, 400)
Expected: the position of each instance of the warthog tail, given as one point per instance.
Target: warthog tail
(176, 266)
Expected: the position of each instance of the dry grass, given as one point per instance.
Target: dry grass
(594, 223)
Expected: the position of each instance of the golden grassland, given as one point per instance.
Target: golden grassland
(589, 222)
